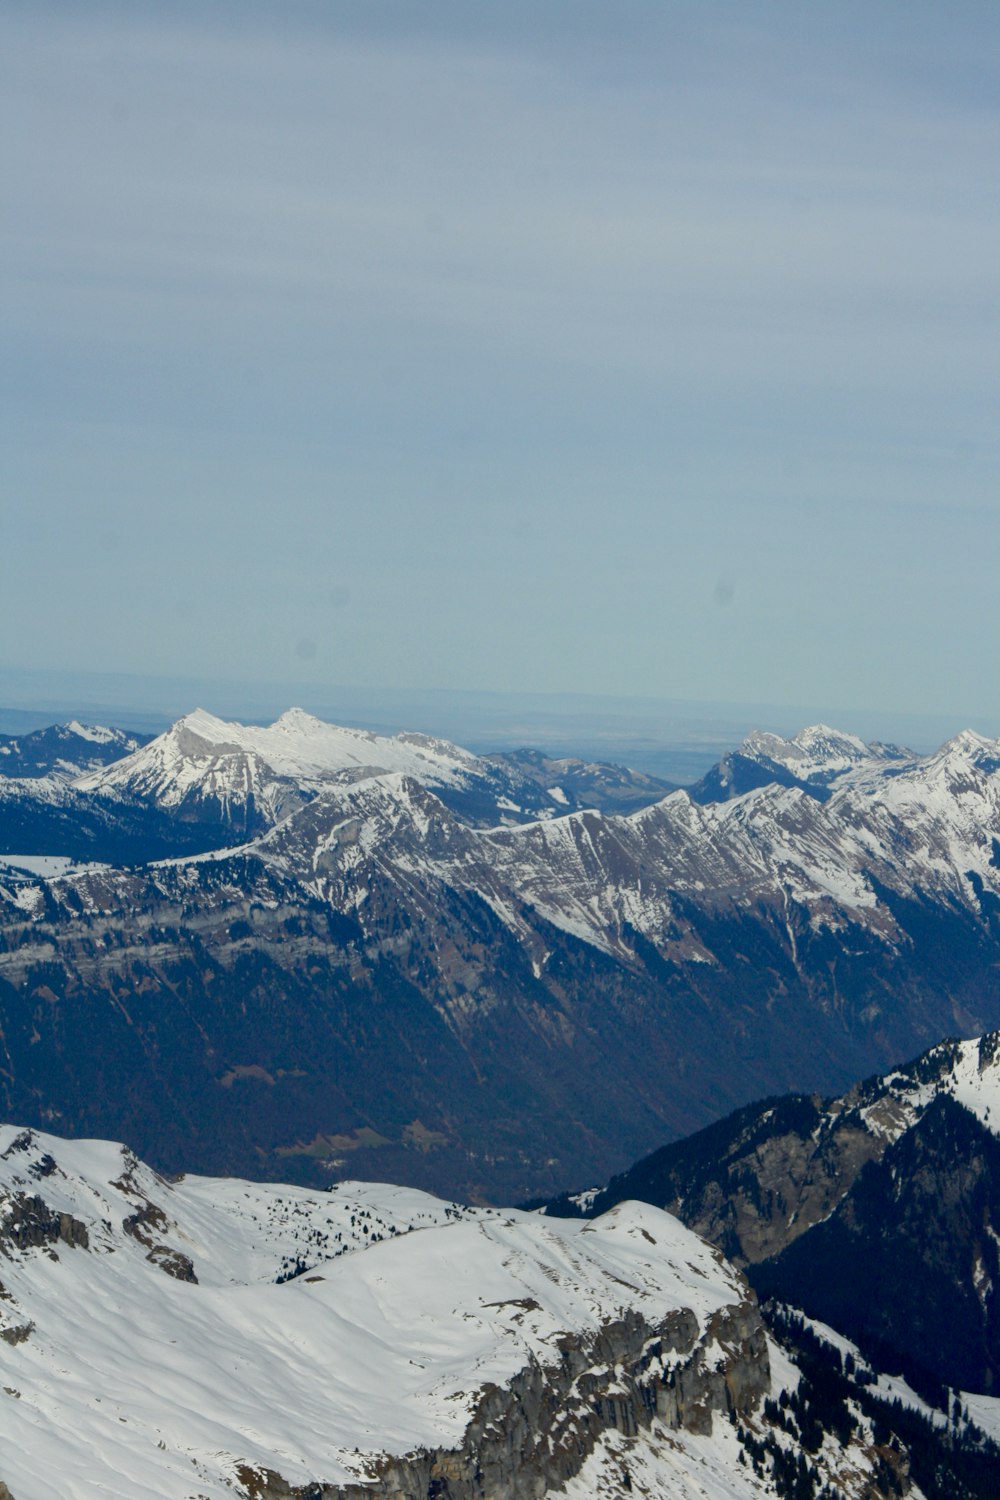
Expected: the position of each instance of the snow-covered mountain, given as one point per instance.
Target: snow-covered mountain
(78, 794)
(929, 829)
(241, 769)
(907, 824)
(819, 752)
(877, 1211)
(248, 777)
(206, 1338)
(813, 759)
(65, 750)
(405, 991)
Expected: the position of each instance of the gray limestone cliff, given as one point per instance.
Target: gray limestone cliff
(527, 1439)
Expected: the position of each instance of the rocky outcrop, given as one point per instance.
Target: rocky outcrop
(529, 1438)
(29, 1223)
(143, 1227)
(17, 1335)
(767, 1197)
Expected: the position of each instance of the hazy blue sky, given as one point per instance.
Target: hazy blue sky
(623, 348)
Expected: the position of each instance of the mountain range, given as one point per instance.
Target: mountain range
(96, 794)
(311, 953)
(342, 953)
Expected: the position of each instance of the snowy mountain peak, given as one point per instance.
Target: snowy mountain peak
(297, 719)
(815, 748)
(816, 758)
(971, 746)
(200, 721)
(822, 737)
(198, 733)
(97, 733)
(253, 775)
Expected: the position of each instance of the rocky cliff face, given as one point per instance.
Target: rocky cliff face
(527, 1439)
(758, 1179)
(908, 1265)
(878, 1212)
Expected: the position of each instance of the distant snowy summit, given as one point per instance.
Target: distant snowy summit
(251, 776)
(813, 759)
(65, 750)
(819, 751)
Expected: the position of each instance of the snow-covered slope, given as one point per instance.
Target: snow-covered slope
(151, 1346)
(197, 1339)
(966, 1071)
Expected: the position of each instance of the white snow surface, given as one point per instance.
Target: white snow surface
(98, 734)
(206, 756)
(975, 1082)
(131, 1382)
(46, 865)
(984, 1411)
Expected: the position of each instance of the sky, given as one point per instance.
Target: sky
(642, 349)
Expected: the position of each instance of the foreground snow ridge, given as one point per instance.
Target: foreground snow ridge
(200, 1338)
